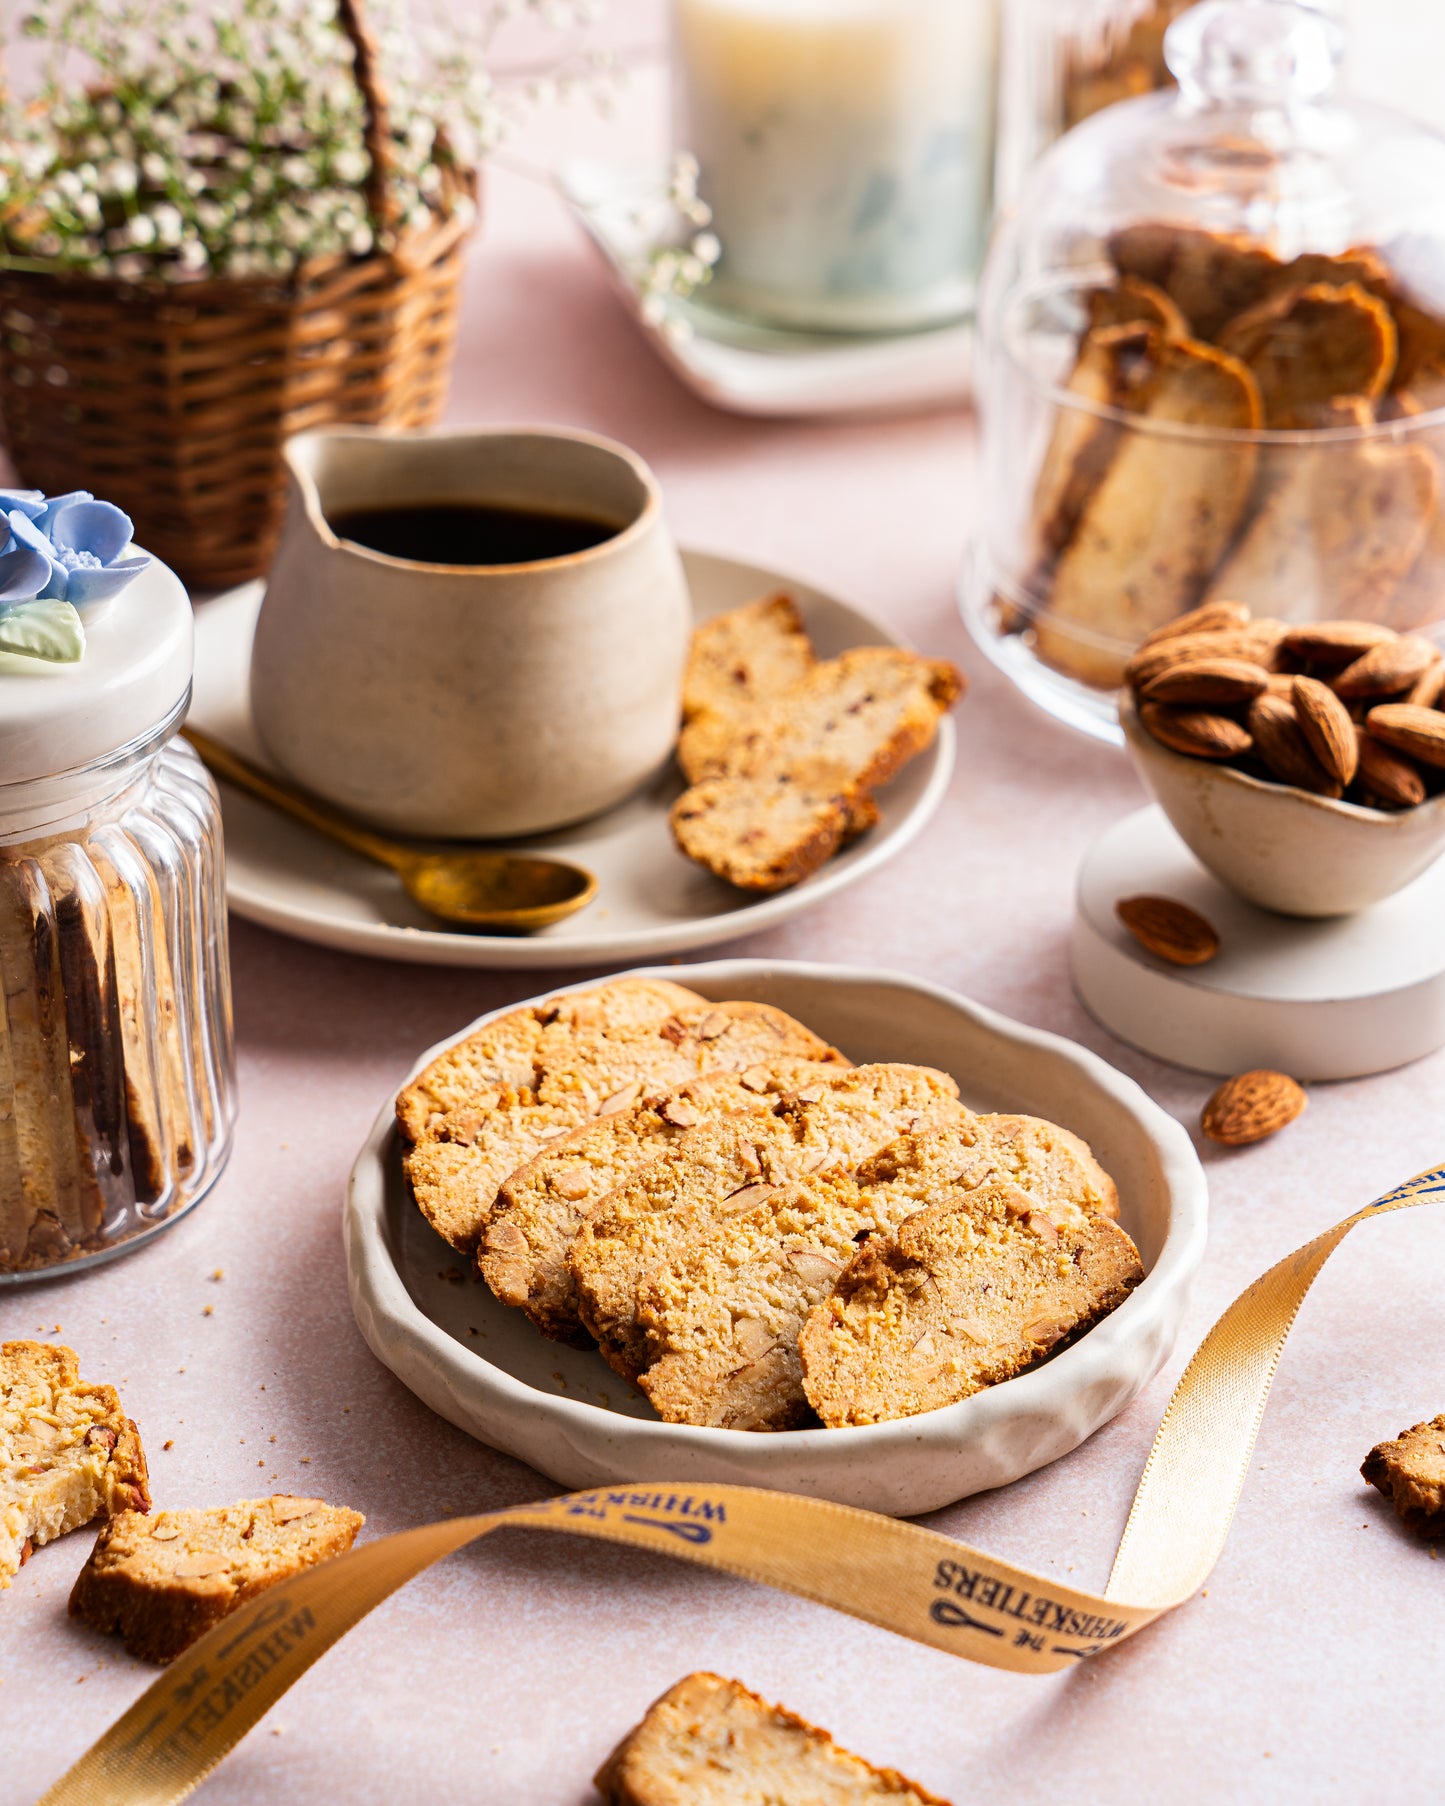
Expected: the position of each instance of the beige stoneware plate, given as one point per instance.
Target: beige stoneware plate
(485, 1369)
(651, 902)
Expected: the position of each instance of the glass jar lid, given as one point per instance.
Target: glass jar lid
(134, 675)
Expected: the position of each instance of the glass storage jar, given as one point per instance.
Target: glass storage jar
(117, 1085)
(1212, 364)
(845, 148)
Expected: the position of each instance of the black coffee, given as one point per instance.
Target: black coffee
(470, 532)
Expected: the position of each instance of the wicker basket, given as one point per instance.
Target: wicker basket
(174, 400)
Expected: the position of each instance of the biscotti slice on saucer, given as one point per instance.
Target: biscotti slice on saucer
(967, 1292)
(577, 1074)
(798, 780)
(164, 1580)
(722, 1168)
(539, 1209)
(738, 660)
(710, 1742)
(1410, 1471)
(68, 1453)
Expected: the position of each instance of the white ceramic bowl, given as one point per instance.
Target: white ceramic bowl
(488, 1371)
(1283, 848)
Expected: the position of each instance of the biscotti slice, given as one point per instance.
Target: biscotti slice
(1156, 524)
(68, 1453)
(722, 1314)
(969, 1291)
(737, 661)
(1057, 1168)
(782, 799)
(710, 1742)
(1410, 1471)
(524, 1248)
(505, 1053)
(163, 1580)
(464, 1156)
(1307, 346)
(722, 1168)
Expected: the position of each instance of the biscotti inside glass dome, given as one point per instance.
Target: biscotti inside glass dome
(1214, 364)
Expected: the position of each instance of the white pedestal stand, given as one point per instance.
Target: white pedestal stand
(1330, 999)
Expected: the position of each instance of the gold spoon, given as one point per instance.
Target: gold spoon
(507, 892)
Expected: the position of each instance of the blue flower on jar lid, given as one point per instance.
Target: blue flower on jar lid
(82, 541)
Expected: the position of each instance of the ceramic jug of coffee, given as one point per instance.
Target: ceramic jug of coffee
(430, 690)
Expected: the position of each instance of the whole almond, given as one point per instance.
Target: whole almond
(1388, 777)
(1410, 729)
(1212, 617)
(1333, 643)
(1280, 742)
(1169, 929)
(1252, 1106)
(1207, 680)
(1327, 726)
(1425, 691)
(1195, 732)
(201, 1566)
(1387, 669)
(1256, 644)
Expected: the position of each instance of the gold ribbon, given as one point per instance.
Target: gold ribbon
(913, 1581)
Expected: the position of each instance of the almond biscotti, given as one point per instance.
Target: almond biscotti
(163, 1580)
(738, 661)
(722, 1314)
(68, 1453)
(1156, 523)
(1410, 1471)
(967, 1292)
(723, 1168)
(539, 1209)
(477, 1113)
(710, 1742)
(782, 796)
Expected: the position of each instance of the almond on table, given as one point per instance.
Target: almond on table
(1251, 1107)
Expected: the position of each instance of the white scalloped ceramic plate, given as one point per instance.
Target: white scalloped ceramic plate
(652, 901)
(485, 1369)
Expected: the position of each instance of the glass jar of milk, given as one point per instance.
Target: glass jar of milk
(846, 150)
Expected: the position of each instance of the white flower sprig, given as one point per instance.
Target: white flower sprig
(179, 140)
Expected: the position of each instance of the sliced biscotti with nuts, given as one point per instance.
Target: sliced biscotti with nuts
(506, 1053)
(723, 1168)
(1410, 1471)
(164, 1580)
(969, 1291)
(467, 1151)
(722, 1313)
(711, 1742)
(721, 1316)
(782, 796)
(1156, 523)
(1056, 1167)
(738, 661)
(68, 1453)
(539, 1209)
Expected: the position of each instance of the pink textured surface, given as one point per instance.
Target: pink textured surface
(508, 1673)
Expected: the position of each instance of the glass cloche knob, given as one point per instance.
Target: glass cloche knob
(1254, 52)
